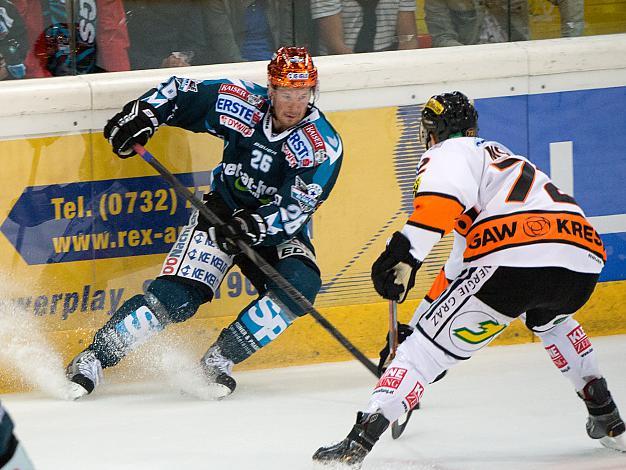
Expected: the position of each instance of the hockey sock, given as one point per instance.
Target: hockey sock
(417, 363)
(256, 326)
(571, 352)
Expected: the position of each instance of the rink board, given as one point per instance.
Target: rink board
(82, 230)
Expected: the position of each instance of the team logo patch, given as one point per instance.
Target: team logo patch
(556, 356)
(306, 194)
(579, 339)
(236, 125)
(413, 398)
(484, 331)
(392, 378)
(186, 84)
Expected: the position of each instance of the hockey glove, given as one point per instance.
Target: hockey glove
(393, 273)
(244, 225)
(135, 124)
(214, 202)
(404, 331)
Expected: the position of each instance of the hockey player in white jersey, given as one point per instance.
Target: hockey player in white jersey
(527, 249)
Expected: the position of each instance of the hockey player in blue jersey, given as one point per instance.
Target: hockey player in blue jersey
(280, 161)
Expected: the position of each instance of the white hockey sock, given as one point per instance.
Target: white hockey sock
(571, 352)
(417, 363)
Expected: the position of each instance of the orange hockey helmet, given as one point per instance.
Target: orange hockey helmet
(292, 67)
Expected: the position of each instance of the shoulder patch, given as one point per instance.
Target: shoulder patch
(187, 84)
(306, 195)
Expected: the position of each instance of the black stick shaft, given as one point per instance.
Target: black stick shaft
(263, 265)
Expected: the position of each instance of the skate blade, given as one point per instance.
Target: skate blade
(615, 443)
(75, 391)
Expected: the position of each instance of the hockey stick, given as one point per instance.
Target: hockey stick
(396, 427)
(263, 265)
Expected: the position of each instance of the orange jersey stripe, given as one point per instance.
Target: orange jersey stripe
(526, 228)
(439, 285)
(435, 212)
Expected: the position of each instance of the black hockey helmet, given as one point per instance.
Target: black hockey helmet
(446, 115)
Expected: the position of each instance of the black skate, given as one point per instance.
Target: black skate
(84, 373)
(604, 422)
(218, 370)
(353, 449)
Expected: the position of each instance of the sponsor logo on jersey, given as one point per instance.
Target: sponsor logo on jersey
(579, 339)
(245, 95)
(306, 195)
(186, 84)
(525, 228)
(536, 226)
(305, 148)
(236, 125)
(556, 356)
(314, 137)
(414, 396)
(392, 378)
(245, 182)
(289, 156)
(239, 109)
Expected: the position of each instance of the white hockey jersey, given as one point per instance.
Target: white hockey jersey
(509, 212)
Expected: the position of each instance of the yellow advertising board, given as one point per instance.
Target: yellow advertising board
(83, 231)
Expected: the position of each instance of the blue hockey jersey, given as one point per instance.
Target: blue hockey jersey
(282, 176)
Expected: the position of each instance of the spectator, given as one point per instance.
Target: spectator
(453, 22)
(512, 18)
(572, 16)
(97, 42)
(13, 42)
(347, 26)
(248, 29)
(508, 21)
(166, 33)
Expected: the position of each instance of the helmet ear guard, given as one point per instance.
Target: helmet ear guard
(446, 116)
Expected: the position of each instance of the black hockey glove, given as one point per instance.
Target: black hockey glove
(244, 225)
(393, 273)
(404, 331)
(214, 202)
(135, 124)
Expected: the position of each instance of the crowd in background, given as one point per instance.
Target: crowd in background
(69, 37)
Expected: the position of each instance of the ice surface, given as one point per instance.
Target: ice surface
(507, 408)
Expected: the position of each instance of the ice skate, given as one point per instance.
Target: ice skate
(354, 448)
(84, 373)
(218, 370)
(604, 422)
